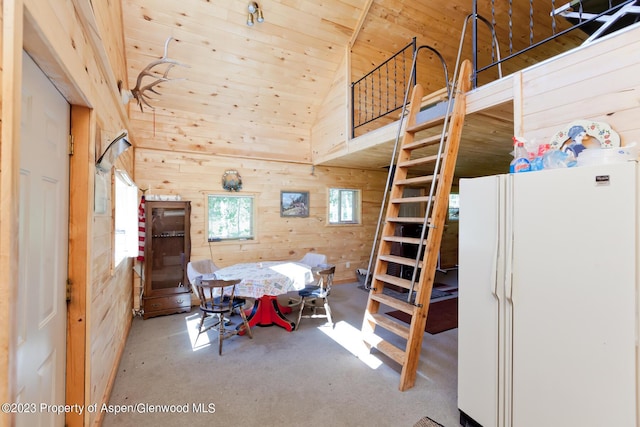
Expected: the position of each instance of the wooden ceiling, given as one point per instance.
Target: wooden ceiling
(275, 71)
(269, 80)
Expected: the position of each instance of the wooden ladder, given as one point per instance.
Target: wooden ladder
(430, 145)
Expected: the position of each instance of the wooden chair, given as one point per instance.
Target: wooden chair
(217, 298)
(201, 267)
(313, 296)
(313, 260)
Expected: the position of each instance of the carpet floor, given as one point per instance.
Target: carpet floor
(317, 375)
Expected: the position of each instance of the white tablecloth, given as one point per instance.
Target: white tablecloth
(267, 278)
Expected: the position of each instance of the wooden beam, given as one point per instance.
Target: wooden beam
(518, 105)
(81, 181)
(356, 30)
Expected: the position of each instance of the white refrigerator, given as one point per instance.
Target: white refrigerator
(548, 298)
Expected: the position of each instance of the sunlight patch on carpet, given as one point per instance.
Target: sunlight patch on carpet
(350, 339)
(193, 322)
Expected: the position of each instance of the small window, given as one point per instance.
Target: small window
(344, 206)
(230, 217)
(126, 217)
(454, 207)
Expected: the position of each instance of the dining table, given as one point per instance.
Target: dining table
(265, 281)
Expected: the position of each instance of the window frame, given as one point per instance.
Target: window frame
(125, 216)
(254, 223)
(356, 208)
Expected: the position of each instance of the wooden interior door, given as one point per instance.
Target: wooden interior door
(43, 240)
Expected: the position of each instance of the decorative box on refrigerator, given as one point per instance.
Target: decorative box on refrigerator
(548, 298)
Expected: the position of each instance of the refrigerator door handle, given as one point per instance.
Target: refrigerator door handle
(496, 249)
(508, 240)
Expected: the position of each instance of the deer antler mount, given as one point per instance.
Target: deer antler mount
(139, 92)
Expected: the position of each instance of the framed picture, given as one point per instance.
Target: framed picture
(294, 203)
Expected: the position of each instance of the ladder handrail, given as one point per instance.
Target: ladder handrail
(395, 147)
(435, 217)
(408, 357)
(443, 135)
(494, 41)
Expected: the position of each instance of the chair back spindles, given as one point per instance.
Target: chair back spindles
(217, 298)
(317, 296)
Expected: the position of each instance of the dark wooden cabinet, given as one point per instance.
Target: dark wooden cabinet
(167, 252)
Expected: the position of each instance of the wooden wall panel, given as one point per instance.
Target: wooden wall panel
(193, 176)
(111, 303)
(449, 246)
(108, 17)
(490, 95)
(581, 85)
(332, 128)
(238, 137)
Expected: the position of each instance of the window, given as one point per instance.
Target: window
(344, 206)
(230, 217)
(454, 207)
(126, 217)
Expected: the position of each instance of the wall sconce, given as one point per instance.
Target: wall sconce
(254, 12)
(117, 146)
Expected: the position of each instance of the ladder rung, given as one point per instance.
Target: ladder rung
(398, 260)
(437, 121)
(407, 220)
(389, 324)
(418, 199)
(394, 280)
(418, 161)
(416, 180)
(396, 303)
(437, 96)
(386, 348)
(421, 143)
(402, 239)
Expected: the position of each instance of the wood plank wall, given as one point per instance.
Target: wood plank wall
(332, 128)
(193, 176)
(584, 85)
(108, 16)
(173, 130)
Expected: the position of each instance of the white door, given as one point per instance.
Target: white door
(480, 300)
(574, 293)
(44, 216)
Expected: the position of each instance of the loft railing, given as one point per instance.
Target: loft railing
(381, 91)
(528, 34)
(525, 35)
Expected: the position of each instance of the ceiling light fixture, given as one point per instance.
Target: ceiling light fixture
(255, 13)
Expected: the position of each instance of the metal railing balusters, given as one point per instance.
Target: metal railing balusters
(368, 106)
